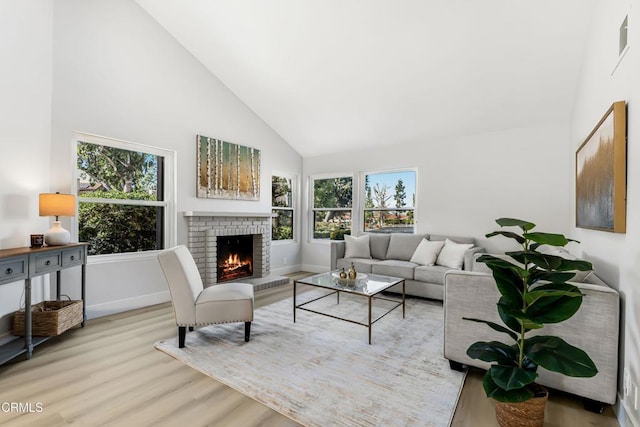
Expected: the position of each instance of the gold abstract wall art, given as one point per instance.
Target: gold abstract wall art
(226, 170)
(601, 174)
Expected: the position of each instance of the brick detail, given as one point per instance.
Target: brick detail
(202, 242)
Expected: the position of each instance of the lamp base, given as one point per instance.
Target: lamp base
(57, 236)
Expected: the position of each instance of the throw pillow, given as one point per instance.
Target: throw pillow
(452, 254)
(357, 247)
(427, 252)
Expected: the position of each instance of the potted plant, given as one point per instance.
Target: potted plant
(534, 292)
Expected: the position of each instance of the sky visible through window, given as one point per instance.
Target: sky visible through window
(391, 179)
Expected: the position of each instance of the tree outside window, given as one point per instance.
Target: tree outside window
(121, 205)
(332, 207)
(282, 207)
(386, 208)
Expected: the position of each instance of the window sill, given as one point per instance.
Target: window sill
(130, 256)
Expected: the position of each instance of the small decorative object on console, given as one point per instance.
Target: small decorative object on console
(37, 240)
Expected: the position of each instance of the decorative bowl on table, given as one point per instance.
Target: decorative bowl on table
(347, 281)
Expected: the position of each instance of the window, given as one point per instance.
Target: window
(389, 202)
(122, 196)
(282, 226)
(332, 205)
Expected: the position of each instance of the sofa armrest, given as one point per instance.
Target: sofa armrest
(337, 252)
(469, 257)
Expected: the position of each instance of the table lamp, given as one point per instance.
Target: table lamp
(57, 205)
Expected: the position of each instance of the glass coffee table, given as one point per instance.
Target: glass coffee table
(366, 285)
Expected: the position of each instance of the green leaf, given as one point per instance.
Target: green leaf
(509, 284)
(521, 317)
(493, 391)
(544, 261)
(518, 238)
(555, 354)
(495, 262)
(551, 305)
(504, 311)
(575, 264)
(549, 276)
(548, 239)
(495, 327)
(553, 262)
(494, 351)
(518, 256)
(513, 222)
(512, 377)
(540, 294)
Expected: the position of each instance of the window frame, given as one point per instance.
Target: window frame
(293, 208)
(313, 209)
(169, 192)
(363, 196)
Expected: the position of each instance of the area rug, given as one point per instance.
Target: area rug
(321, 371)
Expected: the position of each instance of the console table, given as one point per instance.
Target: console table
(26, 263)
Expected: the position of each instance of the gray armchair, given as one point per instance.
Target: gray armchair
(194, 305)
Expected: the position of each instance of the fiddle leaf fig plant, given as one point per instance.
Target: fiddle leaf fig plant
(534, 291)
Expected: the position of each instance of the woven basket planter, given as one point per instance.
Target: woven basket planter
(49, 318)
(523, 414)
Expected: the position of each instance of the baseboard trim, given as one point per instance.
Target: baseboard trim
(625, 413)
(119, 306)
(314, 268)
(286, 270)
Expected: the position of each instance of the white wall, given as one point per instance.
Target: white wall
(464, 184)
(117, 73)
(25, 109)
(616, 257)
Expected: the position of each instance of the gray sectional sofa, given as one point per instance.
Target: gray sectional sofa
(594, 328)
(391, 254)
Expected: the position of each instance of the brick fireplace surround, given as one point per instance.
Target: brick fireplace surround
(205, 227)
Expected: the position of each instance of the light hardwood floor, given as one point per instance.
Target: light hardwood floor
(109, 373)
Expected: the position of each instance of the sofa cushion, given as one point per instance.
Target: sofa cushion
(379, 243)
(452, 254)
(356, 247)
(402, 246)
(395, 268)
(427, 252)
(362, 265)
(431, 273)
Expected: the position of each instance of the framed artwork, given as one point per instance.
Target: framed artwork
(601, 174)
(226, 170)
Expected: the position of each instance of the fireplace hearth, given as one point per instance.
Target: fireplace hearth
(234, 257)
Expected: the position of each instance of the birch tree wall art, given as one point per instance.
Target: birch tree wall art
(226, 170)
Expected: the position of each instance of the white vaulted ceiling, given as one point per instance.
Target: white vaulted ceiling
(338, 75)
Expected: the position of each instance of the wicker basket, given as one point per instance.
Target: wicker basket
(529, 413)
(49, 318)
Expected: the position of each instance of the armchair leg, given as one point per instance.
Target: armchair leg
(247, 331)
(182, 333)
(190, 328)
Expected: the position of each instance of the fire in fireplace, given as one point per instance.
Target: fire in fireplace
(234, 257)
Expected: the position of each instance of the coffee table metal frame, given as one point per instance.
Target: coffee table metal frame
(336, 287)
